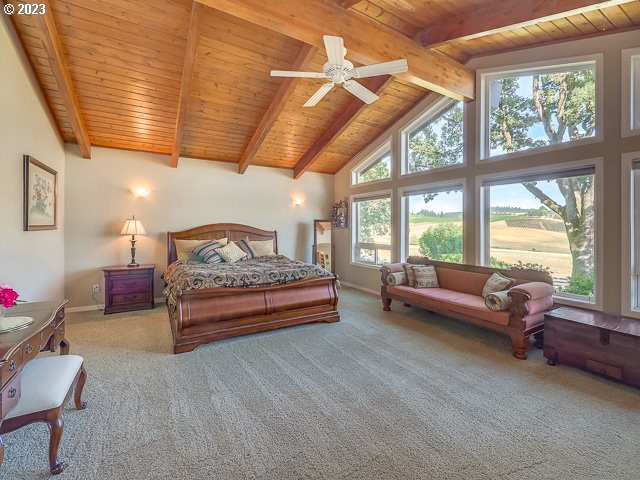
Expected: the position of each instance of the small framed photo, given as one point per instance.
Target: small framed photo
(40, 195)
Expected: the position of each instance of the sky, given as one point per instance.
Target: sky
(514, 195)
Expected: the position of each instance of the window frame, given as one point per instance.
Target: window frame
(429, 114)
(630, 120)
(483, 215)
(484, 76)
(405, 192)
(354, 225)
(630, 267)
(378, 154)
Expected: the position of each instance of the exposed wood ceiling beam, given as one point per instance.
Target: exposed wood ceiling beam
(55, 54)
(503, 15)
(188, 68)
(346, 118)
(367, 41)
(288, 85)
(349, 3)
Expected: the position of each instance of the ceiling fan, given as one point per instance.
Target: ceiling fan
(340, 71)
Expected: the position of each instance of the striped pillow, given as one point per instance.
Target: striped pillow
(245, 246)
(207, 252)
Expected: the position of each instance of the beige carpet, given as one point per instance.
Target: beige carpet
(379, 395)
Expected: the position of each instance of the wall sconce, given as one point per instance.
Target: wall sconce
(298, 201)
(141, 192)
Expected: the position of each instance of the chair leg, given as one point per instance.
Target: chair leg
(80, 405)
(56, 426)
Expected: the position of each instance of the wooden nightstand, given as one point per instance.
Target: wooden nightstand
(128, 288)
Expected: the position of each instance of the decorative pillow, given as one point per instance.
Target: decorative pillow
(231, 253)
(498, 301)
(411, 277)
(184, 248)
(496, 283)
(425, 276)
(263, 248)
(397, 278)
(246, 248)
(207, 252)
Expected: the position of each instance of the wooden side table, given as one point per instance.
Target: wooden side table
(605, 344)
(128, 288)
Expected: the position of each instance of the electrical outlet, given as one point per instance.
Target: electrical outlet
(96, 288)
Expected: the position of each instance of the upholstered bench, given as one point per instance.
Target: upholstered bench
(46, 386)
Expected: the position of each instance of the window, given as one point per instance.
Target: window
(377, 167)
(372, 235)
(631, 91)
(539, 107)
(437, 142)
(546, 222)
(635, 229)
(433, 223)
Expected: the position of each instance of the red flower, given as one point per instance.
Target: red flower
(8, 296)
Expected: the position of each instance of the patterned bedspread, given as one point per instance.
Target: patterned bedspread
(272, 270)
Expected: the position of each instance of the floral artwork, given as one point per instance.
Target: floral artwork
(39, 195)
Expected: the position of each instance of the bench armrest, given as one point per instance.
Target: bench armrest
(531, 298)
(390, 268)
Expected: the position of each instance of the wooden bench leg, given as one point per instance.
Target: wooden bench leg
(80, 405)
(539, 337)
(520, 346)
(55, 423)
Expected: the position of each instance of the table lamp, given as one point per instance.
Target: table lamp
(133, 227)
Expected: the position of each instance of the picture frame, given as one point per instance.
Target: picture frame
(40, 205)
(340, 214)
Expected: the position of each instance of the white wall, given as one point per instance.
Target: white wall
(32, 262)
(610, 149)
(198, 192)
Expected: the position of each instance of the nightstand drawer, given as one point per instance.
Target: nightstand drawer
(125, 298)
(130, 285)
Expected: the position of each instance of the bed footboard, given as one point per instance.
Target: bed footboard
(202, 316)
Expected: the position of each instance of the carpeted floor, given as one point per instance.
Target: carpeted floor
(379, 395)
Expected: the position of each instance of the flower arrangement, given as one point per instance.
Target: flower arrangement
(8, 296)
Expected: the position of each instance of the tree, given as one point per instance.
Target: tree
(374, 218)
(377, 171)
(429, 149)
(564, 105)
(442, 242)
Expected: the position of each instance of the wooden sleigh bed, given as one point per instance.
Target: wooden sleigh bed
(204, 315)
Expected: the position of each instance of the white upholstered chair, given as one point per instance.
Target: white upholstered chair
(46, 386)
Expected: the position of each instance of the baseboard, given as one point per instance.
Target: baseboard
(88, 308)
(358, 287)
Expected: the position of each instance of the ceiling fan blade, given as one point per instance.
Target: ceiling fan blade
(395, 66)
(363, 93)
(321, 92)
(287, 73)
(335, 49)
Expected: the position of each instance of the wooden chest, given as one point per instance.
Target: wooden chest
(605, 344)
(127, 289)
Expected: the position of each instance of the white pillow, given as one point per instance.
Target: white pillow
(496, 283)
(184, 248)
(231, 253)
(263, 248)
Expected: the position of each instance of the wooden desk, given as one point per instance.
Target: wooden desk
(19, 347)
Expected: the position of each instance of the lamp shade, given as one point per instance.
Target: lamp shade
(133, 227)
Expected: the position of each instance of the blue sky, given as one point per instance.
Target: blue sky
(514, 195)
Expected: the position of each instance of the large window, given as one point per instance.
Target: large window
(438, 140)
(545, 222)
(372, 229)
(377, 167)
(433, 223)
(631, 91)
(635, 235)
(540, 107)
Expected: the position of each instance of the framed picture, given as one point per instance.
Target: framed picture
(40, 195)
(340, 215)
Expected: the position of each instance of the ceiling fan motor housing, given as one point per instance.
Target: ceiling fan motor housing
(338, 73)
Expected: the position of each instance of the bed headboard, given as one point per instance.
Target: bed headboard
(233, 231)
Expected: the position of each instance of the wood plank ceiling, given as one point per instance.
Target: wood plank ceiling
(192, 79)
